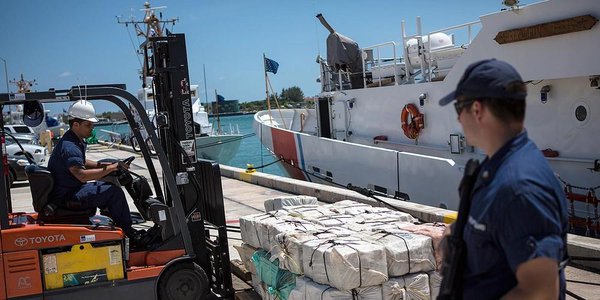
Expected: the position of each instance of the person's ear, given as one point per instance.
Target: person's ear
(477, 109)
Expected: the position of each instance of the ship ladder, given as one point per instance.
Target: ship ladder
(591, 224)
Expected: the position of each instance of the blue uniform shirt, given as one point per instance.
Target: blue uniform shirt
(70, 151)
(518, 213)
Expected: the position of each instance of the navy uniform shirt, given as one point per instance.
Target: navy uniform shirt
(70, 151)
(518, 213)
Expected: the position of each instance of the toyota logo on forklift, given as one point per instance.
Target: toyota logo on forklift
(20, 242)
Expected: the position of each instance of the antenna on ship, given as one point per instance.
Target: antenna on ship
(154, 27)
(512, 4)
(23, 86)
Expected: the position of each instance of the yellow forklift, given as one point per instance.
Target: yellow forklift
(60, 252)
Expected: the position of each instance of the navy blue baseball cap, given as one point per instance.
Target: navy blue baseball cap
(487, 79)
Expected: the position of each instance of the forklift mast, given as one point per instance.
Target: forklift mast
(198, 181)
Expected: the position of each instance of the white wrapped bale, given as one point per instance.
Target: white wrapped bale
(307, 289)
(289, 246)
(246, 252)
(348, 207)
(368, 228)
(412, 286)
(334, 220)
(433, 230)
(405, 252)
(308, 211)
(383, 213)
(435, 281)
(261, 289)
(268, 230)
(278, 203)
(344, 264)
(249, 228)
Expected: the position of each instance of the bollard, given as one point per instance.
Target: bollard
(48, 140)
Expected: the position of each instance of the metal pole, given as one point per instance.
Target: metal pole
(5, 74)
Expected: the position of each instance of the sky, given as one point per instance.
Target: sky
(73, 42)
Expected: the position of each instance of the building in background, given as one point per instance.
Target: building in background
(225, 107)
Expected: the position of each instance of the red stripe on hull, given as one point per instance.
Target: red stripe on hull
(284, 146)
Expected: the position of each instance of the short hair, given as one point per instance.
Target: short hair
(71, 121)
(509, 109)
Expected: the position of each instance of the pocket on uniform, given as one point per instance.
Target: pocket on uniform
(482, 254)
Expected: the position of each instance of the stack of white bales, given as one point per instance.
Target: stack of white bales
(347, 250)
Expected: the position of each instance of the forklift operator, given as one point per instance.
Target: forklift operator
(72, 171)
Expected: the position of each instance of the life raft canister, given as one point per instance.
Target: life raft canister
(417, 121)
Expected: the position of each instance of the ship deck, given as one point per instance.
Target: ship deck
(245, 194)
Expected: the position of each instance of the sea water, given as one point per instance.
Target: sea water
(251, 151)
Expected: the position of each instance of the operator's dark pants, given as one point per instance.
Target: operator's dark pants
(106, 195)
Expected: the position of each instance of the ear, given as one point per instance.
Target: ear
(478, 110)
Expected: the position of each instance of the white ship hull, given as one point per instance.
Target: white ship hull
(220, 148)
(355, 137)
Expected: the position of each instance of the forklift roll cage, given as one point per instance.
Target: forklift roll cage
(117, 94)
(114, 93)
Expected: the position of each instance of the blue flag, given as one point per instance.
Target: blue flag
(220, 98)
(271, 66)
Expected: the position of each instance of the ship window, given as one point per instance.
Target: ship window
(380, 189)
(581, 113)
(315, 169)
(328, 173)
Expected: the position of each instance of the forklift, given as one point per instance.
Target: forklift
(65, 253)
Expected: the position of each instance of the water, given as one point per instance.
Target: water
(251, 151)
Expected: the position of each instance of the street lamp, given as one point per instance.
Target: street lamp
(5, 74)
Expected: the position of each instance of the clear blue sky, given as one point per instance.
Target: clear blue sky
(70, 42)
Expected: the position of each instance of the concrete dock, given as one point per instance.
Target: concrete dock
(245, 194)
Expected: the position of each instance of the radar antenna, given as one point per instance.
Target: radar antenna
(154, 27)
(23, 86)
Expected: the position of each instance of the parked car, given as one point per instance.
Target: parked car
(25, 138)
(35, 152)
(16, 168)
(19, 129)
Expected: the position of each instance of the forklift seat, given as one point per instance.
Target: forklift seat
(41, 183)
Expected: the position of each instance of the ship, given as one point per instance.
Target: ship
(377, 124)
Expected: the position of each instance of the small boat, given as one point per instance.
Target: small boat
(361, 131)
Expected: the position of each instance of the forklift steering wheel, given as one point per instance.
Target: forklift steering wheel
(128, 160)
(122, 173)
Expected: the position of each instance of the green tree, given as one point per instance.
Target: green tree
(292, 94)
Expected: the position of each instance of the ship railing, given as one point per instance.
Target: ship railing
(449, 52)
(381, 68)
(435, 63)
(332, 80)
(230, 129)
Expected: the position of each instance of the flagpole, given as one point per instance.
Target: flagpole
(218, 118)
(267, 87)
(205, 88)
(278, 107)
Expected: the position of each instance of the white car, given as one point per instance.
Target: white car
(18, 129)
(39, 154)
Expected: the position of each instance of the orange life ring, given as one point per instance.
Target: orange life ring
(417, 121)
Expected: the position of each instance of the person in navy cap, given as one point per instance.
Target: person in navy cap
(516, 233)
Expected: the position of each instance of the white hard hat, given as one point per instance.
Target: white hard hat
(84, 110)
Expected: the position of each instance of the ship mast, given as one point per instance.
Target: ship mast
(23, 86)
(154, 27)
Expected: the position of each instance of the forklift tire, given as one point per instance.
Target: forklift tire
(183, 281)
